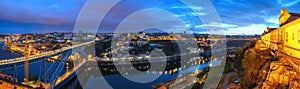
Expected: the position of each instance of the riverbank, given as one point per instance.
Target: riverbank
(5, 54)
(194, 79)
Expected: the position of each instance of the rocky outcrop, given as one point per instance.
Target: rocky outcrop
(282, 75)
(265, 70)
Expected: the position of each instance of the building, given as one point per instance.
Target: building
(68, 35)
(286, 38)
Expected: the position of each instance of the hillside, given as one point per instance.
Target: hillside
(260, 69)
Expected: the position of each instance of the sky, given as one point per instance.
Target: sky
(237, 16)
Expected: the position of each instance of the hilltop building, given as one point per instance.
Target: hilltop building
(285, 45)
(286, 38)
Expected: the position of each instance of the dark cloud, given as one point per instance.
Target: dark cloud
(36, 16)
(53, 12)
(19, 16)
(244, 12)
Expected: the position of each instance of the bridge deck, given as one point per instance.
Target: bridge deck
(21, 59)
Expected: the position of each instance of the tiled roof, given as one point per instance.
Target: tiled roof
(293, 17)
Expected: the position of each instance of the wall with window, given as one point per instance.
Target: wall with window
(298, 36)
(292, 38)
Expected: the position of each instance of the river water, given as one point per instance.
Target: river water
(35, 68)
(117, 81)
(6, 54)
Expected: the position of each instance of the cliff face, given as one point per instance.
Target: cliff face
(264, 71)
(256, 63)
(282, 74)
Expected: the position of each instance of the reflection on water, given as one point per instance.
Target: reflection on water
(35, 67)
(117, 81)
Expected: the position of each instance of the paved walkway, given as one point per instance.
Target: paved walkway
(232, 66)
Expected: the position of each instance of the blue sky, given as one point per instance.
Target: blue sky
(237, 16)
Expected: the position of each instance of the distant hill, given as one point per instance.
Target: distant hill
(153, 30)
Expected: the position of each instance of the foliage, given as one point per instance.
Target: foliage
(249, 59)
(101, 46)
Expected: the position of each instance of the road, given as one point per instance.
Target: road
(232, 66)
(228, 76)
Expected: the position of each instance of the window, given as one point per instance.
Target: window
(280, 36)
(299, 36)
(293, 36)
(287, 36)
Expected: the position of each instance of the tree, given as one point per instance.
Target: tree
(238, 52)
(249, 59)
(249, 64)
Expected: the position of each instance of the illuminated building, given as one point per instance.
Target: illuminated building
(286, 38)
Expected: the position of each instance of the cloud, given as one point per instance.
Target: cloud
(198, 8)
(192, 14)
(287, 3)
(243, 13)
(14, 27)
(199, 13)
(217, 25)
(251, 29)
(40, 12)
(148, 18)
(272, 20)
(57, 15)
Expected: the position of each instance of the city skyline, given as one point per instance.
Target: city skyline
(150, 44)
(60, 16)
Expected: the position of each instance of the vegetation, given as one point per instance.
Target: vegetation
(252, 64)
(249, 64)
(228, 68)
(101, 46)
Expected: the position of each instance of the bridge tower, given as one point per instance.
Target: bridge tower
(26, 64)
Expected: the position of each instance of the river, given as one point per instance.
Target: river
(35, 68)
(117, 81)
(4, 54)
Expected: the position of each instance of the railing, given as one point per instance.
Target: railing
(21, 59)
